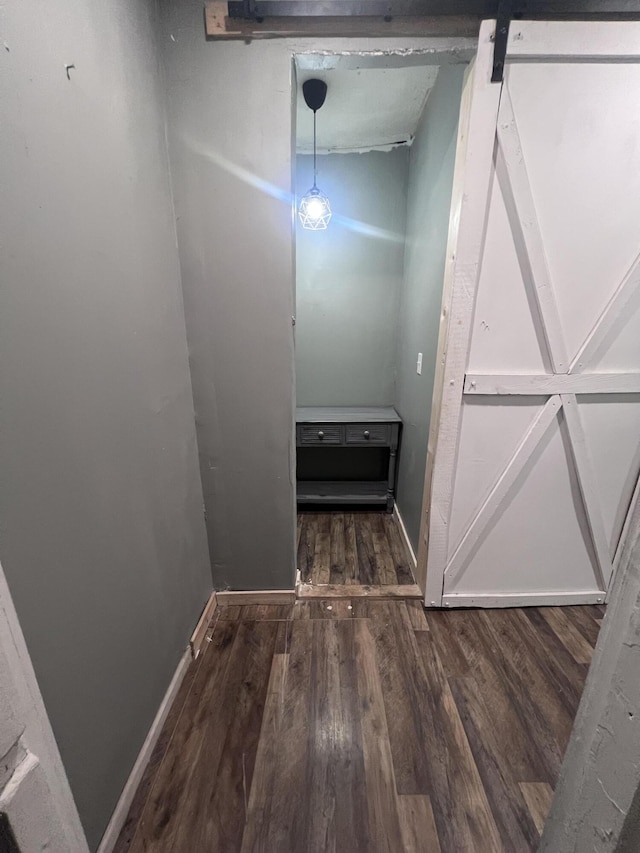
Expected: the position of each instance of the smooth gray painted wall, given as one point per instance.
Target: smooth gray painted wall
(230, 142)
(103, 541)
(431, 165)
(348, 281)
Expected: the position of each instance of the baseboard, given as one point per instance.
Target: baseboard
(197, 638)
(407, 541)
(260, 596)
(121, 811)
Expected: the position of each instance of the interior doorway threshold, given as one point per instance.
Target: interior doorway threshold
(331, 590)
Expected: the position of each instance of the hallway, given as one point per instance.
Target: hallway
(361, 725)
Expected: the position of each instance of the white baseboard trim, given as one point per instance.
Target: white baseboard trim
(523, 599)
(407, 541)
(121, 811)
(256, 596)
(198, 637)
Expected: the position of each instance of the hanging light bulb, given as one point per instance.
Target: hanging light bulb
(314, 209)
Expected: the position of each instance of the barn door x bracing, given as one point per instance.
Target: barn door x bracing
(535, 453)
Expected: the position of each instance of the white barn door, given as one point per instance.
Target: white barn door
(536, 452)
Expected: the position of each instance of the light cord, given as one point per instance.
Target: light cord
(314, 150)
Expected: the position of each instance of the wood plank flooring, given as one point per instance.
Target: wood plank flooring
(366, 725)
(352, 548)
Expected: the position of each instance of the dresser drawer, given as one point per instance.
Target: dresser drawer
(368, 433)
(321, 434)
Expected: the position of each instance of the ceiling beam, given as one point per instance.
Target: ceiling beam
(219, 25)
(259, 19)
(356, 8)
(540, 9)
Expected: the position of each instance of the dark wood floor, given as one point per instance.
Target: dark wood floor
(366, 725)
(352, 548)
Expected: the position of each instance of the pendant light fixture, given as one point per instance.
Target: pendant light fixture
(314, 209)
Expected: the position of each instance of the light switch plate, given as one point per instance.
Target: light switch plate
(419, 364)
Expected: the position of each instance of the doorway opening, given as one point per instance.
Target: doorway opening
(368, 304)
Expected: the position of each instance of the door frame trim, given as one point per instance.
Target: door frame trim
(471, 181)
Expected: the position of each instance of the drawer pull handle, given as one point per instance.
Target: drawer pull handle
(320, 434)
(367, 433)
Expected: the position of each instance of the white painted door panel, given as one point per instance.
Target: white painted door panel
(538, 447)
(477, 471)
(508, 336)
(35, 797)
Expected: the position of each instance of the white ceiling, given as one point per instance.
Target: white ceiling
(365, 108)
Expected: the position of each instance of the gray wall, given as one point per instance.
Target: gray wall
(103, 541)
(348, 280)
(430, 183)
(230, 134)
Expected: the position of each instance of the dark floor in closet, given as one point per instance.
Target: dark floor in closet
(352, 548)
